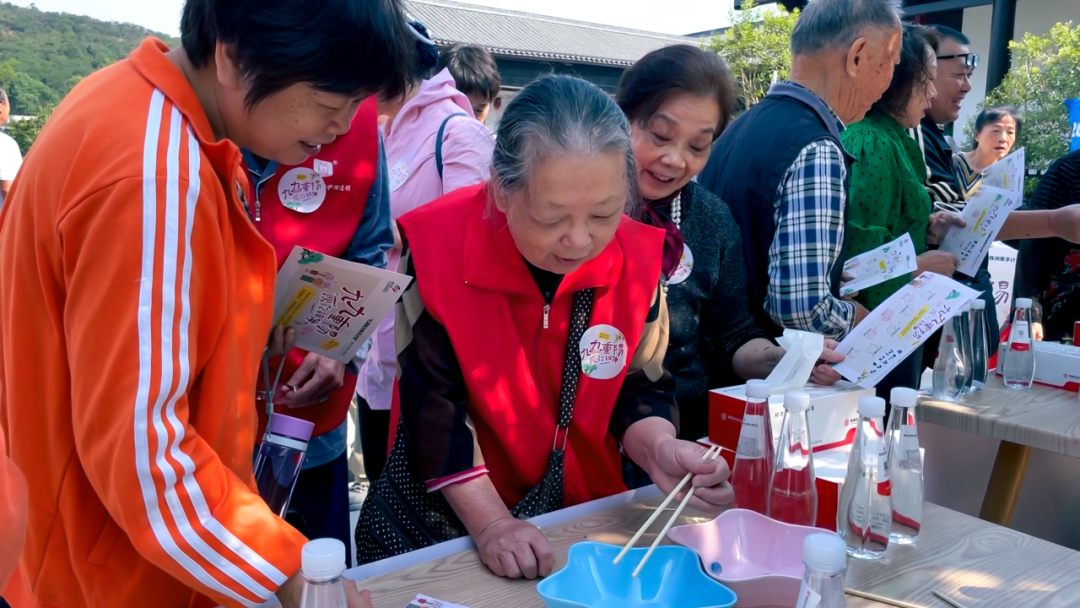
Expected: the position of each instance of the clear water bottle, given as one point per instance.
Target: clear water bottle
(980, 345)
(966, 346)
(864, 511)
(825, 558)
(905, 468)
(281, 454)
(1018, 360)
(322, 564)
(792, 493)
(755, 454)
(951, 370)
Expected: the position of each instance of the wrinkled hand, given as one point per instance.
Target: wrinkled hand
(1037, 332)
(941, 262)
(355, 598)
(940, 224)
(281, 341)
(1066, 223)
(675, 458)
(316, 378)
(514, 548)
(823, 373)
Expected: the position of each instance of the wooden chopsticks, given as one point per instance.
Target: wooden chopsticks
(899, 604)
(711, 454)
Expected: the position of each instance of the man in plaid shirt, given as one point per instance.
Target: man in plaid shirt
(783, 171)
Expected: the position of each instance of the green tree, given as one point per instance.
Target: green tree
(756, 47)
(26, 130)
(1045, 72)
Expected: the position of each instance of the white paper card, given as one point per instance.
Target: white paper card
(334, 305)
(874, 267)
(899, 325)
(423, 601)
(1007, 173)
(808, 598)
(985, 215)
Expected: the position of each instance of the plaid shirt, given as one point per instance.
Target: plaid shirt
(809, 239)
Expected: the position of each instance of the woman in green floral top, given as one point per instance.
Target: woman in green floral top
(887, 197)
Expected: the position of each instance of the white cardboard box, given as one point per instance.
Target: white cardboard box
(1056, 365)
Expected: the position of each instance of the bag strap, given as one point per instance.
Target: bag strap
(580, 314)
(438, 142)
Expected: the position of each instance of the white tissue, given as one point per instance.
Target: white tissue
(794, 369)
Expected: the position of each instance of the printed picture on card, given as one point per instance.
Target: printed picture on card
(423, 601)
(900, 325)
(333, 305)
(1007, 173)
(985, 214)
(891, 260)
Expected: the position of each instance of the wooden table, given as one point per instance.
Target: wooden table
(1043, 418)
(979, 564)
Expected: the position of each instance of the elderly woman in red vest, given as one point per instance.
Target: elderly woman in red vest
(531, 344)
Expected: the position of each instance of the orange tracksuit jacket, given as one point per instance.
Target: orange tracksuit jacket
(135, 301)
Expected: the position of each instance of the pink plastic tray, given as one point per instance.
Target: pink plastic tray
(758, 558)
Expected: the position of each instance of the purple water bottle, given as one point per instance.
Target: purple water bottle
(281, 455)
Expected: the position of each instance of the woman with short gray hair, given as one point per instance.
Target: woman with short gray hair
(531, 344)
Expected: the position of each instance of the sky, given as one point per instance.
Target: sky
(677, 16)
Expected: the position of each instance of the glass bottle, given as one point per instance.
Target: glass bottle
(966, 347)
(792, 493)
(980, 344)
(755, 454)
(322, 564)
(1018, 360)
(905, 468)
(825, 559)
(864, 511)
(951, 370)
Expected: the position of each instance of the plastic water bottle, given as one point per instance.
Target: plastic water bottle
(864, 511)
(980, 345)
(755, 454)
(280, 457)
(792, 493)
(1018, 360)
(966, 347)
(951, 370)
(905, 468)
(825, 558)
(322, 563)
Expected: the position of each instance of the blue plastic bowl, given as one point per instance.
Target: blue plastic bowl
(672, 578)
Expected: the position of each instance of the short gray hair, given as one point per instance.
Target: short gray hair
(827, 24)
(559, 115)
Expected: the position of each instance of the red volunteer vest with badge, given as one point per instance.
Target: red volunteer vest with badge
(475, 283)
(318, 205)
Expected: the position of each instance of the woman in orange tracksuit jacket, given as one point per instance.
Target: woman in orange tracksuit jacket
(136, 297)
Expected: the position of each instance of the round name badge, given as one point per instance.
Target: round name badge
(686, 266)
(302, 190)
(603, 352)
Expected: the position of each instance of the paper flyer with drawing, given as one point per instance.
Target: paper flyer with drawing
(423, 601)
(985, 215)
(1007, 173)
(334, 305)
(874, 267)
(899, 325)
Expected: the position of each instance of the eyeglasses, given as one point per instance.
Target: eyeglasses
(971, 60)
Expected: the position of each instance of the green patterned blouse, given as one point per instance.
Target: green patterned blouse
(887, 197)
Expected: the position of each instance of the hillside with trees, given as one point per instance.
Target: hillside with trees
(43, 55)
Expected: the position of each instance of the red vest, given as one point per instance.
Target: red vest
(341, 176)
(475, 283)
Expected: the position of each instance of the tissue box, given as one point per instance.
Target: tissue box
(1056, 365)
(833, 415)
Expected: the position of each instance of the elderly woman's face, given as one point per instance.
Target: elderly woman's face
(922, 96)
(997, 137)
(569, 211)
(675, 144)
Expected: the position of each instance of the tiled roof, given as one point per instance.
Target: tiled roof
(517, 34)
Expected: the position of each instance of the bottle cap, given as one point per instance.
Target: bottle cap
(871, 407)
(825, 551)
(288, 426)
(758, 389)
(796, 401)
(978, 304)
(904, 397)
(1023, 302)
(323, 558)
